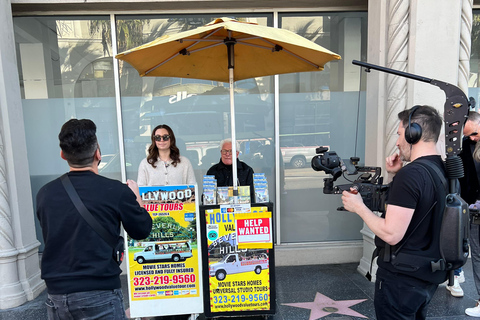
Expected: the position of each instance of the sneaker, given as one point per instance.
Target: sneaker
(461, 279)
(474, 312)
(456, 290)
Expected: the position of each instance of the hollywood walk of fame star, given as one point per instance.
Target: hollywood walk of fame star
(323, 306)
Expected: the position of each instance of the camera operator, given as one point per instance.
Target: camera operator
(398, 294)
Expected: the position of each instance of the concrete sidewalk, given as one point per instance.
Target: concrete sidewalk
(338, 285)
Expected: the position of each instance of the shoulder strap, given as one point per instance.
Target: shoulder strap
(85, 213)
(425, 164)
(435, 168)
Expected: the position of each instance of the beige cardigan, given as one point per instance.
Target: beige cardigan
(165, 173)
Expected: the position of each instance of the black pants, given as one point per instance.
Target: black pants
(400, 297)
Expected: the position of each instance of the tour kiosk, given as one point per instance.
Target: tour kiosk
(238, 259)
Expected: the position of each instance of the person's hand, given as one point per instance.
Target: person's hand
(393, 163)
(352, 200)
(134, 187)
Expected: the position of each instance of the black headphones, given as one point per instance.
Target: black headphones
(413, 132)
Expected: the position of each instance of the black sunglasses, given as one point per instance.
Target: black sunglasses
(165, 137)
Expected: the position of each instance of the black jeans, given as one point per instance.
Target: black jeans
(400, 297)
(101, 304)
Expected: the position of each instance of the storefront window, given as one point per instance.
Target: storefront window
(324, 108)
(66, 71)
(197, 110)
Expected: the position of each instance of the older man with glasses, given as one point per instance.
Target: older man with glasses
(223, 171)
(472, 126)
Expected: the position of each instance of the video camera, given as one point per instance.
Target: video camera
(368, 183)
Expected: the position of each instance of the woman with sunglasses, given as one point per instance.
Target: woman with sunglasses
(164, 165)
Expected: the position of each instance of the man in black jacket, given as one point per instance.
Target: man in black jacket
(223, 170)
(78, 267)
(470, 192)
(470, 182)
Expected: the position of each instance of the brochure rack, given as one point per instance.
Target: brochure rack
(237, 281)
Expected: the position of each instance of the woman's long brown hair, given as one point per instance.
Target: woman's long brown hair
(153, 150)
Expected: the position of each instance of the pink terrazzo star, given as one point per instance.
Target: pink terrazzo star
(323, 306)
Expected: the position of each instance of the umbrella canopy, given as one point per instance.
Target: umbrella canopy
(200, 53)
(213, 51)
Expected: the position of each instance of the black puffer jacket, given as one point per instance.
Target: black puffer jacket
(469, 184)
(224, 175)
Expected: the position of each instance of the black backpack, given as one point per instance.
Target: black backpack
(449, 248)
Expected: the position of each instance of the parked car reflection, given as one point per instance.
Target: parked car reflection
(298, 156)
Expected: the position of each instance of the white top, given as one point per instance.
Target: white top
(165, 173)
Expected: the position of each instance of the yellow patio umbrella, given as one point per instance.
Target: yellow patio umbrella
(228, 50)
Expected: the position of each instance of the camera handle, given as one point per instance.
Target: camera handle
(328, 185)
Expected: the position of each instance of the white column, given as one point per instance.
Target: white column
(434, 53)
(465, 45)
(19, 265)
(375, 108)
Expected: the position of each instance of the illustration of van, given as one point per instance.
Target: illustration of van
(234, 263)
(171, 250)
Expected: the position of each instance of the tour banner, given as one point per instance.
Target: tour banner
(238, 281)
(164, 270)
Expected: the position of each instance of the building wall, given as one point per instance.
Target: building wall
(70, 73)
(414, 36)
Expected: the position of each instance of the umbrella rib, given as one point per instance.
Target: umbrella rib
(255, 45)
(204, 40)
(206, 47)
(186, 50)
(300, 58)
(283, 49)
(273, 44)
(293, 54)
(162, 63)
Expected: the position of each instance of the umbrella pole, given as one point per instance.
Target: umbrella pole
(231, 65)
(234, 139)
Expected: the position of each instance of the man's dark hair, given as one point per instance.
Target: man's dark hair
(428, 118)
(78, 142)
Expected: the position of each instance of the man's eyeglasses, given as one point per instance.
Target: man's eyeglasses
(224, 151)
(165, 137)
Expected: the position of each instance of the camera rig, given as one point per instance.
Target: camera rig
(370, 183)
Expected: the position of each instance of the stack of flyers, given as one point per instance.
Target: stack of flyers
(209, 196)
(209, 190)
(243, 194)
(224, 195)
(209, 180)
(261, 187)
